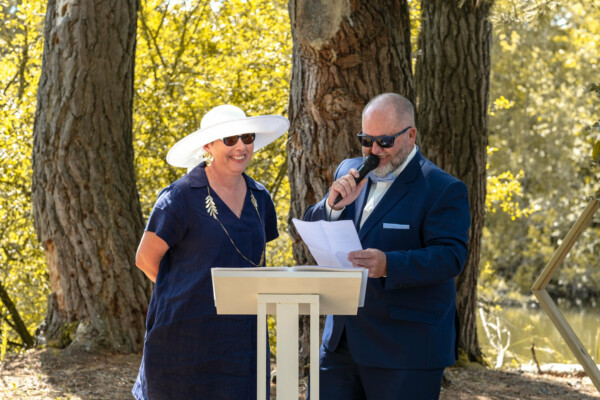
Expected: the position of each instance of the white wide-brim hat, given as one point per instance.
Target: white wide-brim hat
(220, 122)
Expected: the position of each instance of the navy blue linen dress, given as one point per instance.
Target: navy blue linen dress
(190, 352)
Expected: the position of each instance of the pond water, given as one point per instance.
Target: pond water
(533, 326)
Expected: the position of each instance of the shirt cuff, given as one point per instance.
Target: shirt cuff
(334, 215)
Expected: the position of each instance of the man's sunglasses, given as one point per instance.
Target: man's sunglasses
(247, 138)
(384, 141)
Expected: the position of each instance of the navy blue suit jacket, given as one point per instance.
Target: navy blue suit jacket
(422, 224)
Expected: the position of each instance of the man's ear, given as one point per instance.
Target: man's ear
(413, 135)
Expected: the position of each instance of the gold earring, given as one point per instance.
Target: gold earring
(208, 158)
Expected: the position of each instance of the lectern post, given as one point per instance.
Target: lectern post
(288, 293)
(287, 311)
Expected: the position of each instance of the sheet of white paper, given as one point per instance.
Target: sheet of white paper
(329, 242)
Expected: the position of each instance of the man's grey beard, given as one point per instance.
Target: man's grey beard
(394, 164)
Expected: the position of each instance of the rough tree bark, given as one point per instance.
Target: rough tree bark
(452, 80)
(345, 52)
(87, 212)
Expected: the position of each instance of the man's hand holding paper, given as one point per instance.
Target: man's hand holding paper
(372, 259)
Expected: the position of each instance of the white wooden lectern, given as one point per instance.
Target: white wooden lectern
(287, 293)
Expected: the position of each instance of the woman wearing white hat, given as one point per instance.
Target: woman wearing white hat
(214, 216)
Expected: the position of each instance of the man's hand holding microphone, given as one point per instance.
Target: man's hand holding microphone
(346, 189)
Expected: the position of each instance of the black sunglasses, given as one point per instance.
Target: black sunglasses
(384, 141)
(247, 138)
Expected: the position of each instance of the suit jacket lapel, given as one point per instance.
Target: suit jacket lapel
(395, 193)
(360, 202)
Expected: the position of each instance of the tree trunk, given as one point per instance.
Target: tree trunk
(452, 79)
(345, 53)
(87, 212)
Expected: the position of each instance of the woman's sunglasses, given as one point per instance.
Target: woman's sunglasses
(247, 138)
(384, 141)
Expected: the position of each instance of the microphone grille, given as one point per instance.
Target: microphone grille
(372, 161)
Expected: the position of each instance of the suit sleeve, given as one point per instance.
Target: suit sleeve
(445, 233)
(317, 212)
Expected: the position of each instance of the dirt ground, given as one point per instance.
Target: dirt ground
(60, 375)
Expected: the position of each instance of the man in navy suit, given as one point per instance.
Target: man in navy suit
(413, 221)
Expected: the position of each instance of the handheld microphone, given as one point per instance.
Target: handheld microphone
(370, 163)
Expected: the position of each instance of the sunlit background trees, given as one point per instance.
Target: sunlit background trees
(193, 55)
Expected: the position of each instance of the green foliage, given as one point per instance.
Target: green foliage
(464, 362)
(3, 340)
(415, 25)
(544, 56)
(595, 129)
(272, 326)
(65, 336)
(192, 56)
(503, 194)
(22, 269)
(503, 190)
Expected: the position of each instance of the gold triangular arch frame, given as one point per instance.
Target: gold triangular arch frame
(539, 290)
